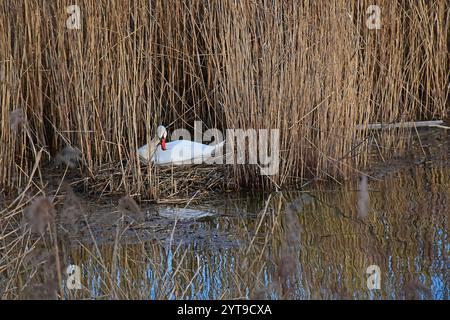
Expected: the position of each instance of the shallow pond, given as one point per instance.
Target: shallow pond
(297, 245)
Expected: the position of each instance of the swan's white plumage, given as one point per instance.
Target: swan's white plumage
(181, 152)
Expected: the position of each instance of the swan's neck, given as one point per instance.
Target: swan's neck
(152, 147)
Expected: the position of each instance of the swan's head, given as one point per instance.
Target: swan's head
(161, 132)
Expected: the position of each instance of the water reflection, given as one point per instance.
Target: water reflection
(296, 245)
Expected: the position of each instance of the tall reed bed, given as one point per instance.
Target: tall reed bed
(312, 69)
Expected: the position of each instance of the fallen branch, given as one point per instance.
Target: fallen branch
(416, 124)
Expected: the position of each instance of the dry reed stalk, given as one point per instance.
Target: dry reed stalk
(312, 70)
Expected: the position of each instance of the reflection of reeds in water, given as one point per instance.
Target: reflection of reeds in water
(289, 254)
(363, 198)
(43, 283)
(44, 260)
(414, 289)
(301, 247)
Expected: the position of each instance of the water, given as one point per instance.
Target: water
(292, 245)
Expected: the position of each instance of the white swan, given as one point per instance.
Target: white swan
(178, 152)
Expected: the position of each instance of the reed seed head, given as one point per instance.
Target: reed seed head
(39, 214)
(16, 119)
(68, 156)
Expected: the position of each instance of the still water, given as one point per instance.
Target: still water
(288, 245)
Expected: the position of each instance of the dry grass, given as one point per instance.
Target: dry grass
(311, 69)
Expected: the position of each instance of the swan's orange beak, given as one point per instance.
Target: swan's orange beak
(163, 143)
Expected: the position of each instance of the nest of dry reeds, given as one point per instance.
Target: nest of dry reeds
(169, 184)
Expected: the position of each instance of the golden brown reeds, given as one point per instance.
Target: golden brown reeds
(311, 69)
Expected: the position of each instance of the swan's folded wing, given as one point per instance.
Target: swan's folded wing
(143, 153)
(182, 152)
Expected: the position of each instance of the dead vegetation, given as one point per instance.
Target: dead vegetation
(77, 104)
(314, 71)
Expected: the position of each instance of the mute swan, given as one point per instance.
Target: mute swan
(146, 152)
(176, 152)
